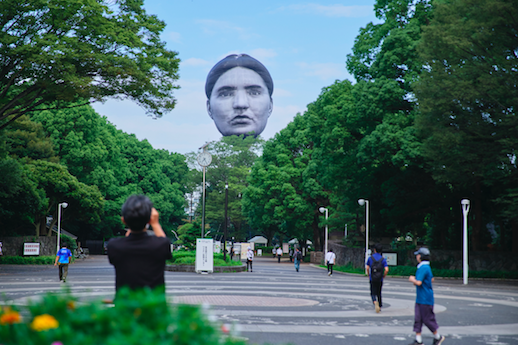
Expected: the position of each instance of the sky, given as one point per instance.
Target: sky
(304, 45)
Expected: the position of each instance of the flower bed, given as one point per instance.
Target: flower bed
(141, 317)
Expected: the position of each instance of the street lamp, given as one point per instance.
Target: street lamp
(465, 209)
(62, 205)
(365, 202)
(322, 210)
(226, 224)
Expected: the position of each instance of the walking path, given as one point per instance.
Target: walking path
(277, 305)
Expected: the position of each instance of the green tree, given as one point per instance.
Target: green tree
(118, 164)
(284, 195)
(467, 100)
(55, 52)
(232, 159)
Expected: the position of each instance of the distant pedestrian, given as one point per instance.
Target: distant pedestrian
(279, 254)
(274, 252)
(291, 254)
(330, 261)
(249, 258)
(424, 298)
(63, 259)
(377, 269)
(297, 258)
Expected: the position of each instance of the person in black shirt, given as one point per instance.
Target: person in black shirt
(139, 259)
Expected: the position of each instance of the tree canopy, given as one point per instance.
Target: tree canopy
(59, 51)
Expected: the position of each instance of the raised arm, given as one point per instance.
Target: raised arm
(153, 221)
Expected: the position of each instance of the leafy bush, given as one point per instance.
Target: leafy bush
(140, 317)
(437, 272)
(189, 258)
(27, 260)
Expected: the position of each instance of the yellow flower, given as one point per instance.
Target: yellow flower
(10, 317)
(44, 322)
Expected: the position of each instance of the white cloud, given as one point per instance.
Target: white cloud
(194, 62)
(324, 71)
(263, 54)
(214, 27)
(175, 37)
(331, 10)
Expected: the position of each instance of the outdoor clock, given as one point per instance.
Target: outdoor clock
(204, 158)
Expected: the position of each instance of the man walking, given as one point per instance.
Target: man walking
(297, 259)
(279, 254)
(249, 258)
(63, 259)
(424, 298)
(139, 259)
(330, 261)
(377, 269)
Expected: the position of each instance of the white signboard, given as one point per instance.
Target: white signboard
(31, 249)
(217, 247)
(391, 258)
(204, 255)
(244, 249)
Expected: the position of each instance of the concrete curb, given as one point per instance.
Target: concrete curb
(216, 269)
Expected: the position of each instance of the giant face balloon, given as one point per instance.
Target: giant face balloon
(239, 91)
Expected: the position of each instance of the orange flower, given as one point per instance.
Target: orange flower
(44, 322)
(10, 317)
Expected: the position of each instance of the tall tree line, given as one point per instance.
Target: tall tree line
(430, 120)
(77, 156)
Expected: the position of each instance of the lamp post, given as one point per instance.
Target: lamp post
(365, 202)
(62, 205)
(226, 224)
(465, 210)
(322, 210)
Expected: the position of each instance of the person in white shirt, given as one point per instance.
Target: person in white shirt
(330, 261)
(279, 254)
(249, 258)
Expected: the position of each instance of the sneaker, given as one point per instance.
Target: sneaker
(328, 273)
(438, 341)
(377, 306)
(415, 343)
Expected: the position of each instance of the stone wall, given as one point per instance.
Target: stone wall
(448, 259)
(13, 246)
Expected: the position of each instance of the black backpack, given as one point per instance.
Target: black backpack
(299, 256)
(377, 270)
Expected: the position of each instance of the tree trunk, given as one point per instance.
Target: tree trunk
(317, 241)
(477, 224)
(514, 229)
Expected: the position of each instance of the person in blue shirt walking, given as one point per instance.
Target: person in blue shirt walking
(63, 258)
(424, 298)
(377, 269)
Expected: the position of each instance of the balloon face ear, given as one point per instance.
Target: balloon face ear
(209, 110)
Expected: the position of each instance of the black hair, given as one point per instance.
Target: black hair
(234, 60)
(137, 212)
(425, 257)
(379, 248)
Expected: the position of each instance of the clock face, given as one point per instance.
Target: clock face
(204, 159)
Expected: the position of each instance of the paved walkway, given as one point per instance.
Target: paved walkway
(277, 305)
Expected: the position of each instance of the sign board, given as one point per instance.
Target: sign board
(244, 249)
(285, 248)
(204, 255)
(217, 247)
(259, 252)
(31, 249)
(391, 258)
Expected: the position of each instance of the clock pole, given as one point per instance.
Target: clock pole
(203, 207)
(204, 160)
